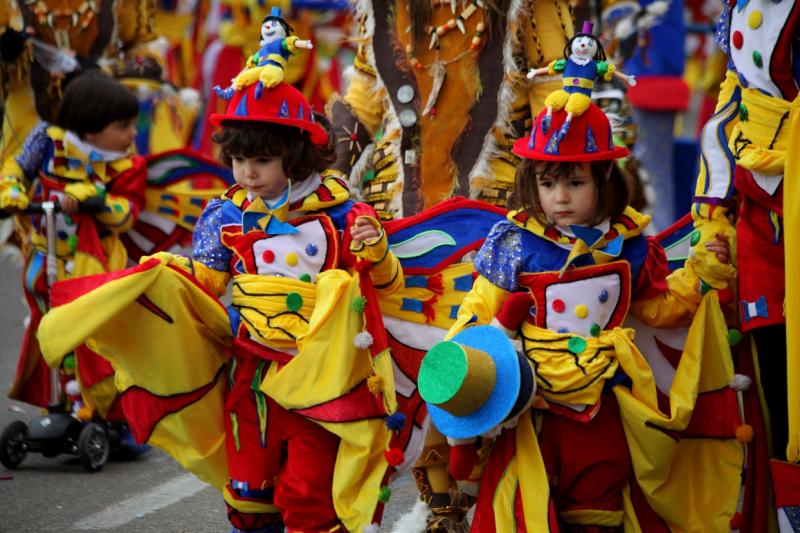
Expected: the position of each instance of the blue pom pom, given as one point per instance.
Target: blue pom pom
(396, 422)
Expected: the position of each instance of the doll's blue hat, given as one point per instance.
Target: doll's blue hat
(471, 383)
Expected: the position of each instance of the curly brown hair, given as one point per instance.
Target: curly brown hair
(260, 139)
(613, 191)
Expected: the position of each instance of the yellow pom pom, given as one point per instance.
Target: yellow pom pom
(744, 433)
(375, 384)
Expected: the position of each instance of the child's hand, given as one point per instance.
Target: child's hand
(69, 205)
(12, 194)
(362, 230)
(720, 248)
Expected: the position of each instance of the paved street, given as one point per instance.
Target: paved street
(151, 494)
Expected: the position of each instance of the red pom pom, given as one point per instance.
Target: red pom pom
(736, 521)
(725, 296)
(394, 456)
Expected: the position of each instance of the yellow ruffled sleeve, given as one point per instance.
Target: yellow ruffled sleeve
(386, 271)
(479, 306)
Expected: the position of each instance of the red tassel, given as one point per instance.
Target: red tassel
(394, 456)
(427, 309)
(435, 283)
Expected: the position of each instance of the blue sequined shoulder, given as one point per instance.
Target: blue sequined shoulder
(500, 258)
(37, 148)
(206, 246)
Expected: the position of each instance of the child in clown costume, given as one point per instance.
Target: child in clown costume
(86, 153)
(750, 163)
(564, 271)
(270, 236)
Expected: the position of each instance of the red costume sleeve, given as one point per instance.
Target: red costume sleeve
(652, 279)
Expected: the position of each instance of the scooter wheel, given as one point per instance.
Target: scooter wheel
(12, 444)
(93, 447)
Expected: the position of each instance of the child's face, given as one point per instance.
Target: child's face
(570, 198)
(117, 136)
(260, 176)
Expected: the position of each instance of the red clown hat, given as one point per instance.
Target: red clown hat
(585, 138)
(283, 104)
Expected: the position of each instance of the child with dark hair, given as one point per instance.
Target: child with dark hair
(563, 272)
(271, 237)
(85, 154)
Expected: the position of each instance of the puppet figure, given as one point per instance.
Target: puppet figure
(584, 61)
(267, 65)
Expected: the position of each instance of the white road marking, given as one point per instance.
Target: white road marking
(137, 506)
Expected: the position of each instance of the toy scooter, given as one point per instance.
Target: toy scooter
(58, 431)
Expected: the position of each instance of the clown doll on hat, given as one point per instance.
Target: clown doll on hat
(280, 399)
(267, 65)
(584, 61)
(596, 451)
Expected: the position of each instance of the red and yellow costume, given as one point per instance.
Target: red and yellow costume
(748, 147)
(86, 243)
(598, 450)
(274, 294)
(295, 436)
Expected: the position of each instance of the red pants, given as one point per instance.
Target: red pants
(588, 463)
(276, 456)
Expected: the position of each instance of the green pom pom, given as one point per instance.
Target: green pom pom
(305, 277)
(385, 494)
(69, 362)
(359, 304)
(695, 238)
(72, 242)
(595, 330)
(294, 301)
(734, 336)
(576, 345)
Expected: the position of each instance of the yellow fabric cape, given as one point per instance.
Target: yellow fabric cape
(327, 367)
(693, 484)
(185, 353)
(164, 357)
